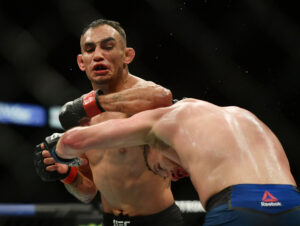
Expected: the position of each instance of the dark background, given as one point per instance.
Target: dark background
(244, 53)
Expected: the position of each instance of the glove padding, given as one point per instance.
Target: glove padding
(51, 142)
(38, 160)
(85, 106)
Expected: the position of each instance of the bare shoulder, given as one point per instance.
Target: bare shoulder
(139, 82)
(188, 104)
(207, 107)
(190, 100)
(239, 112)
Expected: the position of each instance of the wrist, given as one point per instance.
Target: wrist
(71, 176)
(91, 103)
(70, 162)
(97, 93)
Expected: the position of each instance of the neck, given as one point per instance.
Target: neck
(118, 83)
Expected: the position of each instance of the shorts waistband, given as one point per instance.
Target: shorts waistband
(220, 198)
(173, 209)
(224, 196)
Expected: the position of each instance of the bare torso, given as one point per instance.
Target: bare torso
(121, 176)
(220, 147)
(126, 185)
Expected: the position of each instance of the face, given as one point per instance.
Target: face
(160, 165)
(104, 55)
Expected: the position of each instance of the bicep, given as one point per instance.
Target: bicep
(114, 133)
(121, 133)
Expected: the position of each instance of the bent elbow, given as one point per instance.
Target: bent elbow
(163, 98)
(73, 138)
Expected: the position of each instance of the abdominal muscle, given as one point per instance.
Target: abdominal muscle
(125, 183)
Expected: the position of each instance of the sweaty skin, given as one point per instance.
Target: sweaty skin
(124, 181)
(125, 184)
(217, 146)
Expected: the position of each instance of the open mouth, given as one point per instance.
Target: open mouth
(100, 69)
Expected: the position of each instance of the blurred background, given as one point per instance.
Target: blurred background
(244, 53)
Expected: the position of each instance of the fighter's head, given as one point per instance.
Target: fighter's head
(104, 54)
(160, 165)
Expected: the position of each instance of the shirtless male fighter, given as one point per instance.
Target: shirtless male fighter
(235, 162)
(130, 193)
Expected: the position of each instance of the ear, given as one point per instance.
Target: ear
(80, 62)
(129, 55)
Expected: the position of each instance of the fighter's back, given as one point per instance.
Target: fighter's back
(223, 146)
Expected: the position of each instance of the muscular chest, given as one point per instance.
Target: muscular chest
(128, 162)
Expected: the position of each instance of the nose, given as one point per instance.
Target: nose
(98, 56)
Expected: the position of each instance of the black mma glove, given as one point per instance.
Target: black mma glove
(85, 106)
(38, 160)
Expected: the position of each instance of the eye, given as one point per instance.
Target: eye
(89, 48)
(107, 47)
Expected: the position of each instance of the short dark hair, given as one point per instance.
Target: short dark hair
(99, 22)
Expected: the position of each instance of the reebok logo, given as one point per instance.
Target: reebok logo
(268, 200)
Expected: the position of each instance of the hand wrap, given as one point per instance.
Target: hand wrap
(85, 106)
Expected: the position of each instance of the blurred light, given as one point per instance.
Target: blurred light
(23, 114)
(190, 206)
(17, 209)
(53, 117)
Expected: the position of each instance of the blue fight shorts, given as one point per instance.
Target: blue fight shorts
(254, 205)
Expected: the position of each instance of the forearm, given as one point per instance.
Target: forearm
(137, 99)
(82, 188)
(111, 134)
